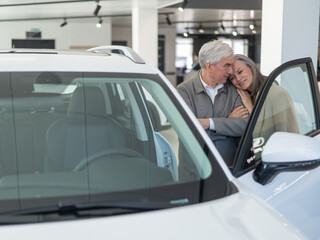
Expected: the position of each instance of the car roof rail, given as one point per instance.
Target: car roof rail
(123, 50)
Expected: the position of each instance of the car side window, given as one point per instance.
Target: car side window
(296, 81)
(288, 107)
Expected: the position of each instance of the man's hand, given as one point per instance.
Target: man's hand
(239, 112)
(205, 122)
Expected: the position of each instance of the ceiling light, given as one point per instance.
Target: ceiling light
(251, 26)
(200, 29)
(216, 32)
(99, 24)
(64, 23)
(235, 22)
(98, 7)
(254, 31)
(185, 34)
(168, 20)
(183, 5)
(235, 33)
(251, 14)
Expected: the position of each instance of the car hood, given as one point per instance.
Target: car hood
(240, 215)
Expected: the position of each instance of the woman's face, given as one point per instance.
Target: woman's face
(242, 77)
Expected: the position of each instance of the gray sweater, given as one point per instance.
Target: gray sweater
(228, 130)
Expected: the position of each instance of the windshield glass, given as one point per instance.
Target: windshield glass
(78, 137)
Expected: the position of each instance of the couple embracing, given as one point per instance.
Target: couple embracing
(222, 95)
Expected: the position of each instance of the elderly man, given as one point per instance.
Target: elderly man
(214, 100)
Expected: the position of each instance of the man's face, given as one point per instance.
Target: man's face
(220, 72)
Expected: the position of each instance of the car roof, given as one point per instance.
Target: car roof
(70, 60)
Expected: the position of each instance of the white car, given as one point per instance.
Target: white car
(81, 159)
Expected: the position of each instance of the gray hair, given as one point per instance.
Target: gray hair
(213, 52)
(258, 78)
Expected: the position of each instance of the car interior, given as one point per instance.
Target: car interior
(65, 133)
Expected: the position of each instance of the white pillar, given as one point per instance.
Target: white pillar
(145, 34)
(290, 29)
(107, 24)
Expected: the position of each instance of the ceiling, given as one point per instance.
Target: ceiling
(207, 13)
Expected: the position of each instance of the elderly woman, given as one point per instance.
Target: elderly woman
(277, 113)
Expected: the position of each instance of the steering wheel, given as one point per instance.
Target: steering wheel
(125, 152)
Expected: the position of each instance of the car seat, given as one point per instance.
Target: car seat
(87, 130)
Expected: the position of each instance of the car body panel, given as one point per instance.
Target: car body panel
(237, 215)
(60, 61)
(287, 192)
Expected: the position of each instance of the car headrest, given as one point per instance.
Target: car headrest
(88, 100)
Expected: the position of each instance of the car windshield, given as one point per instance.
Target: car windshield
(72, 137)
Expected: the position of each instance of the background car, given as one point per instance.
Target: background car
(77, 141)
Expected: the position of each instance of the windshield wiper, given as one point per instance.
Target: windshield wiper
(94, 208)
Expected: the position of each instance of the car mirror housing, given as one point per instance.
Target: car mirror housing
(287, 152)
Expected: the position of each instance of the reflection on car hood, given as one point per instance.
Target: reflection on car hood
(239, 215)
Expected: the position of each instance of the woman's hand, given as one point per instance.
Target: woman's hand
(246, 100)
(239, 112)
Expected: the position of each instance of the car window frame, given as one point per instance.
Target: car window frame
(238, 169)
(208, 188)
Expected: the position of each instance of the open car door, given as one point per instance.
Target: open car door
(279, 154)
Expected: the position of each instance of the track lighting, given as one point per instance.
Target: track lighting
(64, 23)
(222, 27)
(235, 32)
(201, 30)
(99, 24)
(168, 20)
(98, 7)
(183, 5)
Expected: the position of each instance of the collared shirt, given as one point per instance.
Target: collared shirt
(212, 92)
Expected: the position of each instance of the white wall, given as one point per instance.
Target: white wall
(122, 34)
(76, 34)
(289, 30)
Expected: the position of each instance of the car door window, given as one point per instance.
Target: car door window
(286, 104)
(297, 83)
(288, 107)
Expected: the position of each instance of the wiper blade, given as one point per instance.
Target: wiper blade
(89, 209)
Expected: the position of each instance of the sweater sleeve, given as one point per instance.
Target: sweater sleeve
(232, 127)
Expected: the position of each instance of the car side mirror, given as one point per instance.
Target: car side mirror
(287, 152)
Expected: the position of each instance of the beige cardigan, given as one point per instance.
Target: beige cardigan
(277, 114)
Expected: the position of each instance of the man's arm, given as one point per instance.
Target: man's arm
(232, 126)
